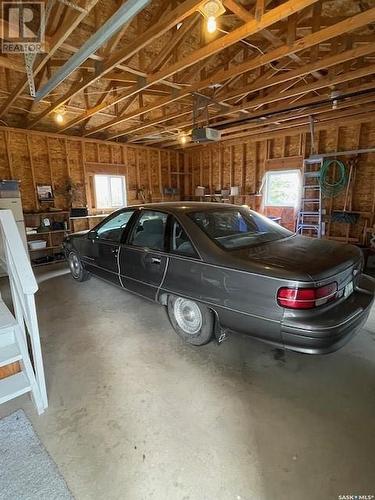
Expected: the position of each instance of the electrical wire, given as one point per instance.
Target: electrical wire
(331, 189)
(258, 49)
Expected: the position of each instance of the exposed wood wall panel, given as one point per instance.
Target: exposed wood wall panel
(246, 160)
(65, 162)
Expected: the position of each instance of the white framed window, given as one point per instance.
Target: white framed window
(282, 188)
(110, 191)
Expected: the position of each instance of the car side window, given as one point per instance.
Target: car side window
(112, 229)
(180, 242)
(149, 231)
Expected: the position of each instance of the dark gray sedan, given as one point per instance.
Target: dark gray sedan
(220, 268)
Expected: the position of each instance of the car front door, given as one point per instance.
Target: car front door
(142, 260)
(104, 245)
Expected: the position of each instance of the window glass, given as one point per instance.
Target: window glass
(112, 229)
(110, 191)
(282, 188)
(150, 230)
(180, 242)
(236, 228)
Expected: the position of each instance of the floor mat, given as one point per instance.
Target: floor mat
(27, 472)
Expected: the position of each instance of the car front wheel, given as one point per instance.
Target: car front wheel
(76, 269)
(193, 322)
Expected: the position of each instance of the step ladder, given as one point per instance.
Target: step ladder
(309, 218)
(13, 349)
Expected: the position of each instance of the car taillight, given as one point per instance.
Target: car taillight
(306, 298)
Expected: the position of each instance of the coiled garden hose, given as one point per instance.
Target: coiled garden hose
(332, 188)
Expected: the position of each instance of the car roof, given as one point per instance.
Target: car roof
(185, 206)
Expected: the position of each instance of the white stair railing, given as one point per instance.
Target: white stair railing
(23, 287)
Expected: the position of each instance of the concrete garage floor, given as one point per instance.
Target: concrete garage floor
(137, 414)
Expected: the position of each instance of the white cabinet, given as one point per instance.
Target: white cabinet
(15, 205)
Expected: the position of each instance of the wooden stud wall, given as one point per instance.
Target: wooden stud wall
(243, 162)
(41, 158)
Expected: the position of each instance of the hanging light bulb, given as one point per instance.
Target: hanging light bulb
(59, 115)
(59, 118)
(211, 24)
(182, 138)
(211, 10)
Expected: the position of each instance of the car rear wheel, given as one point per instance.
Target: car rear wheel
(76, 269)
(193, 322)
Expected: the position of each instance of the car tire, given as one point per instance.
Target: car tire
(192, 321)
(77, 270)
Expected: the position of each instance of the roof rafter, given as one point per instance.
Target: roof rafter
(253, 26)
(183, 11)
(243, 14)
(71, 21)
(222, 75)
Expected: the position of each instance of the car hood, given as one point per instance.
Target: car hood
(298, 257)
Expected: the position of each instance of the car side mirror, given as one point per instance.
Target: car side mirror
(92, 235)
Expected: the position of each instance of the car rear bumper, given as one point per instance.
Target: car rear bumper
(325, 331)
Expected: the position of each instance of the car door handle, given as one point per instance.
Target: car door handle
(155, 260)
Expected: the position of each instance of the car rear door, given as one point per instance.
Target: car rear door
(142, 259)
(104, 244)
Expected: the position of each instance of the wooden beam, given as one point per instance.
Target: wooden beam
(247, 29)
(327, 62)
(271, 17)
(183, 11)
(12, 63)
(9, 154)
(304, 89)
(246, 16)
(32, 170)
(280, 112)
(316, 13)
(166, 52)
(303, 126)
(259, 9)
(292, 29)
(308, 41)
(282, 78)
(71, 21)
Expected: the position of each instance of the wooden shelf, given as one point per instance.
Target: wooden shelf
(49, 232)
(46, 213)
(45, 248)
(52, 237)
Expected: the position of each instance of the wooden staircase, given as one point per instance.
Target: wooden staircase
(18, 375)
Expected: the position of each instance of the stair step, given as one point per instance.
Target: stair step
(9, 354)
(311, 186)
(310, 214)
(310, 200)
(311, 174)
(7, 320)
(13, 386)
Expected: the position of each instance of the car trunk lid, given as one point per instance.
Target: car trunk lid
(301, 258)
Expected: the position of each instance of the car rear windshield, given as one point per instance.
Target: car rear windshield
(238, 228)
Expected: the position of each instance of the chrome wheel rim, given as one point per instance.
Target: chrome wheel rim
(188, 316)
(75, 265)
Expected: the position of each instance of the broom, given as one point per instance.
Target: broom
(346, 216)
